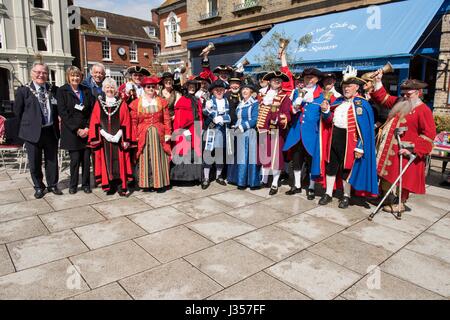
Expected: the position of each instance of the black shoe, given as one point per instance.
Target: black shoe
(221, 181)
(111, 192)
(264, 185)
(326, 199)
(344, 203)
(273, 191)
(55, 191)
(205, 185)
(294, 190)
(242, 188)
(73, 190)
(39, 194)
(255, 188)
(87, 190)
(310, 194)
(124, 194)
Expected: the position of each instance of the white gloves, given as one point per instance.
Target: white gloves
(110, 138)
(298, 101)
(218, 120)
(129, 86)
(209, 105)
(187, 133)
(241, 129)
(167, 138)
(349, 72)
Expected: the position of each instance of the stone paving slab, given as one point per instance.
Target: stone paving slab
(36, 251)
(160, 219)
(338, 216)
(201, 208)
(112, 291)
(228, 262)
(197, 192)
(261, 286)
(121, 207)
(350, 253)
(421, 270)
(15, 230)
(6, 265)
(441, 228)
(11, 196)
(378, 235)
(259, 215)
(109, 232)
(432, 246)
(71, 218)
(220, 228)
(159, 200)
(409, 224)
(236, 198)
(14, 184)
(388, 288)
(173, 243)
(23, 209)
(290, 204)
(47, 282)
(109, 264)
(309, 227)
(433, 201)
(274, 242)
(314, 276)
(177, 280)
(71, 201)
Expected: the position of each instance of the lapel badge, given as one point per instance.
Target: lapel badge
(359, 111)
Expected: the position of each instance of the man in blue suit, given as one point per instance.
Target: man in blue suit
(303, 141)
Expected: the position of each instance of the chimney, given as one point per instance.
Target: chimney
(155, 16)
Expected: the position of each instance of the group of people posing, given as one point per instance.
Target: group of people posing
(222, 126)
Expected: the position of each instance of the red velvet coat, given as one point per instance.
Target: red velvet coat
(184, 120)
(142, 121)
(421, 132)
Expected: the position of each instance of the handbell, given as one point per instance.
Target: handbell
(283, 45)
(209, 48)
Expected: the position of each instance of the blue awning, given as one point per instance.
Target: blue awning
(377, 33)
(241, 37)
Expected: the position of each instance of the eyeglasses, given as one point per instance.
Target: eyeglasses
(39, 73)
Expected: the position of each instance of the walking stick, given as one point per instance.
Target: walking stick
(411, 160)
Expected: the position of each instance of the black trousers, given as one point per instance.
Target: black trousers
(48, 143)
(80, 158)
(337, 153)
(302, 161)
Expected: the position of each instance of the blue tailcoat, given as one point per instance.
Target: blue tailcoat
(219, 141)
(363, 176)
(305, 128)
(245, 172)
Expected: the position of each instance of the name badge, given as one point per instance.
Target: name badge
(79, 107)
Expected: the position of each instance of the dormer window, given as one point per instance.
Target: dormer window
(100, 23)
(151, 31)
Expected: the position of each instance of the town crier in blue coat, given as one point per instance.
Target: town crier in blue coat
(352, 147)
(303, 142)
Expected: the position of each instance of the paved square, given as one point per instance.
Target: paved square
(221, 244)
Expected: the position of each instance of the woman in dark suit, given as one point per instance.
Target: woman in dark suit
(75, 103)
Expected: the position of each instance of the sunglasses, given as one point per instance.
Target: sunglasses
(150, 86)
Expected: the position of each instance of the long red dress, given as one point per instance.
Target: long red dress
(152, 125)
(112, 160)
(421, 132)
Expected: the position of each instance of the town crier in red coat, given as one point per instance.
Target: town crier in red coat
(407, 112)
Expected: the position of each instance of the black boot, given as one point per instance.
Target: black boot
(205, 184)
(344, 203)
(221, 181)
(326, 199)
(273, 191)
(310, 194)
(294, 190)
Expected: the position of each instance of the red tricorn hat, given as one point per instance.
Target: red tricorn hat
(150, 80)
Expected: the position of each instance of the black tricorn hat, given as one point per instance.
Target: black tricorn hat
(312, 72)
(354, 80)
(218, 84)
(248, 83)
(329, 75)
(236, 77)
(261, 75)
(167, 75)
(276, 74)
(138, 69)
(224, 68)
(413, 84)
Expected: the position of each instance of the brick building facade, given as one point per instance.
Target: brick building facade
(114, 40)
(171, 17)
